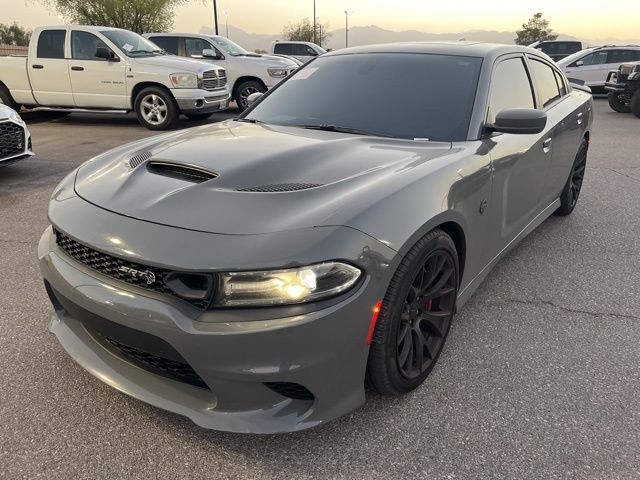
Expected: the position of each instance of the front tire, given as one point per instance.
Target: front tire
(415, 316)
(617, 103)
(244, 90)
(571, 191)
(156, 108)
(635, 104)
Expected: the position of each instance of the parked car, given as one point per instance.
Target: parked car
(557, 49)
(251, 274)
(247, 72)
(592, 65)
(101, 69)
(15, 139)
(303, 51)
(623, 86)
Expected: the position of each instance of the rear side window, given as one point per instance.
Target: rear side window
(623, 56)
(597, 58)
(561, 83)
(544, 78)
(282, 49)
(168, 44)
(510, 88)
(51, 44)
(84, 46)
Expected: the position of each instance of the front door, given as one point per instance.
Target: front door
(49, 70)
(96, 82)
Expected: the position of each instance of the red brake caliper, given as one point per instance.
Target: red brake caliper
(429, 305)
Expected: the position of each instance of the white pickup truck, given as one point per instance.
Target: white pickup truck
(101, 69)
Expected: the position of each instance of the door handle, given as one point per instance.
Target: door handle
(37, 67)
(77, 69)
(580, 118)
(546, 145)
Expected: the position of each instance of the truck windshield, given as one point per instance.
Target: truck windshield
(227, 46)
(386, 94)
(132, 44)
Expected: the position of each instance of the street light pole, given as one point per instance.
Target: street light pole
(314, 21)
(346, 29)
(215, 16)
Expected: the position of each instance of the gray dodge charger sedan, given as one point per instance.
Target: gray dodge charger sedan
(254, 275)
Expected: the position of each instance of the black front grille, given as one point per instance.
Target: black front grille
(290, 390)
(162, 366)
(279, 187)
(11, 139)
(151, 278)
(214, 79)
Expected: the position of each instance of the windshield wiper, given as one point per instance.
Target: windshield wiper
(144, 51)
(335, 128)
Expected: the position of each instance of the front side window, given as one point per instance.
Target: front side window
(282, 49)
(51, 44)
(400, 95)
(596, 58)
(623, 56)
(132, 44)
(195, 46)
(168, 44)
(302, 50)
(510, 88)
(84, 46)
(545, 81)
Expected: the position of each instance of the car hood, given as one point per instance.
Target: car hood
(177, 63)
(268, 179)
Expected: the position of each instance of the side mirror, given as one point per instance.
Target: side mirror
(579, 63)
(210, 53)
(253, 98)
(106, 54)
(524, 121)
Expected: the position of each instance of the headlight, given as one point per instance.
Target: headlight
(14, 117)
(278, 72)
(184, 80)
(291, 286)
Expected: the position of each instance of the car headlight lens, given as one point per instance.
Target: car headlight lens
(290, 286)
(278, 72)
(14, 117)
(184, 80)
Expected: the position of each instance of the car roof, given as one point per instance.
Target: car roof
(462, 48)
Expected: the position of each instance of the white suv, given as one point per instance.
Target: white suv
(247, 72)
(594, 64)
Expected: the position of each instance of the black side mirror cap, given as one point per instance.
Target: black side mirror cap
(523, 121)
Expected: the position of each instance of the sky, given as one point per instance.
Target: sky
(588, 19)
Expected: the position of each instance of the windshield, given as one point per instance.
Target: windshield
(227, 46)
(132, 44)
(386, 94)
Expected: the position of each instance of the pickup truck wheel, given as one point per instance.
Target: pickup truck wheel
(635, 104)
(6, 99)
(617, 103)
(156, 109)
(244, 90)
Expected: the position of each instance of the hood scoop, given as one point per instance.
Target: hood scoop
(188, 173)
(279, 187)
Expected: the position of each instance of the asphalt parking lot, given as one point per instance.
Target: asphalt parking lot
(540, 377)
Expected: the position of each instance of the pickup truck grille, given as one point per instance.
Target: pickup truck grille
(11, 140)
(214, 79)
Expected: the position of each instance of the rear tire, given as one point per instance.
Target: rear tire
(245, 89)
(571, 191)
(635, 104)
(617, 104)
(156, 108)
(7, 99)
(415, 316)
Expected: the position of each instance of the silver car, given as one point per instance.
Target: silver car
(254, 274)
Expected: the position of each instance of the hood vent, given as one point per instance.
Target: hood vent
(188, 173)
(137, 160)
(280, 187)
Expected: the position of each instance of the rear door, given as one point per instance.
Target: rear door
(96, 82)
(521, 162)
(49, 69)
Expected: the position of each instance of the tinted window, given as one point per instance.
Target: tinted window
(51, 44)
(510, 88)
(168, 44)
(401, 95)
(301, 50)
(195, 46)
(597, 58)
(623, 56)
(282, 49)
(84, 46)
(545, 81)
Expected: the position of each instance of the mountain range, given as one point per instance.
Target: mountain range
(373, 34)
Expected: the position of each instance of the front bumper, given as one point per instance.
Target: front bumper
(236, 353)
(201, 101)
(25, 152)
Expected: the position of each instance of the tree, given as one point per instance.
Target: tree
(536, 29)
(303, 32)
(137, 15)
(14, 35)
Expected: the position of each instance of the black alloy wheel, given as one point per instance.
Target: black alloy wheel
(571, 192)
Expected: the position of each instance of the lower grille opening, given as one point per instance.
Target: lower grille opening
(290, 390)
